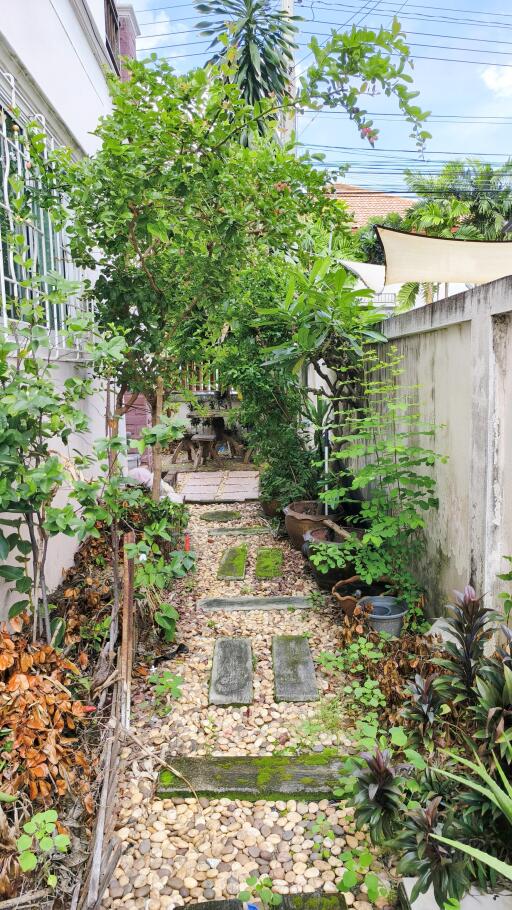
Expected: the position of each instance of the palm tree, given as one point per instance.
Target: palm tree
(263, 39)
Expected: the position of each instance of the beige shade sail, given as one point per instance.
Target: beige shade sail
(414, 257)
(372, 276)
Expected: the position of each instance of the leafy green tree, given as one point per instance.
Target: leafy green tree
(261, 40)
(258, 42)
(176, 207)
(359, 63)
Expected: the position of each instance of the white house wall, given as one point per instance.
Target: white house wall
(55, 50)
(52, 62)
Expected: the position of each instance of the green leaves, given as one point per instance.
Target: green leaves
(39, 841)
(166, 617)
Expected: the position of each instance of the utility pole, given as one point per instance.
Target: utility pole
(289, 118)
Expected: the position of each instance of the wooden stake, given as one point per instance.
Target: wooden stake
(126, 656)
(157, 449)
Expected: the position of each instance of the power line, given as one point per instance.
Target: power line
(415, 57)
(453, 9)
(353, 148)
(447, 47)
(187, 31)
(344, 7)
(336, 5)
(391, 114)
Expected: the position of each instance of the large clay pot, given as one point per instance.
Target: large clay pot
(301, 516)
(324, 580)
(349, 591)
(270, 507)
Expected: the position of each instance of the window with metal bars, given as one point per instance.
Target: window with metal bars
(47, 246)
(112, 33)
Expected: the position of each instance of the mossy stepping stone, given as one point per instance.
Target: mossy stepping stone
(221, 515)
(231, 680)
(234, 604)
(316, 901)
(294, 671)
(249, 777)
(269, 562)
(232, 564)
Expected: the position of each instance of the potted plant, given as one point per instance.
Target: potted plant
(279, 485)
(324, 552)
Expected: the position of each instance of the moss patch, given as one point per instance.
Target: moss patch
(233, 562)
(221, 515)
(269, 562)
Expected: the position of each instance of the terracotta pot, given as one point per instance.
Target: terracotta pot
(349, 591)
(301, 516)
(270, 507)
(324, 580)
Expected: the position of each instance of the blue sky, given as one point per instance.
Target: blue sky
(471, 102)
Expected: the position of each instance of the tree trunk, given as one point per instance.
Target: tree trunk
(156, 412)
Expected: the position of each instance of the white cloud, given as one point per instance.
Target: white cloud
(498, 80)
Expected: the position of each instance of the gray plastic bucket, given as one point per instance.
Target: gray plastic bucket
(388, 613)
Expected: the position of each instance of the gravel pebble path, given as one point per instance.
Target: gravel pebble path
(179, 851)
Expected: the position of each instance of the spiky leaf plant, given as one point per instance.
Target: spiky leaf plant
(378, 795)
(431, 862)
(262, 38)
(469, 628)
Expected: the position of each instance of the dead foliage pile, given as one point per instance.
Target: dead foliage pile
(403, 658)
(38, 722)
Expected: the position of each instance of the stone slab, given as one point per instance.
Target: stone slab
(318, 900)
(221, 515)
(241, 532)
(234, 604)
(233, 563)
(474, 900)
(294, 671)
(231, 679)
(218, 486)
(218, 905)
(248, 777)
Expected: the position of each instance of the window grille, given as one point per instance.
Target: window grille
(48, 248)
(112, 33)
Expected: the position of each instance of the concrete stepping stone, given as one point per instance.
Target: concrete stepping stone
(294, 671)
(269, 562)
(231, 679)
(233, 563)
(218, 905)
(233, 604)
(221, 515)
(318, 900)
(239, 532)
(308, 777)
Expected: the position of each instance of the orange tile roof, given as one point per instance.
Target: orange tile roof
(366, 204)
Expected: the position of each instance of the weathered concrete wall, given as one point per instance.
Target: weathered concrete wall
(459, 352)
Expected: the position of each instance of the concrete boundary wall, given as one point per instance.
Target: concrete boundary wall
(459, 352)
